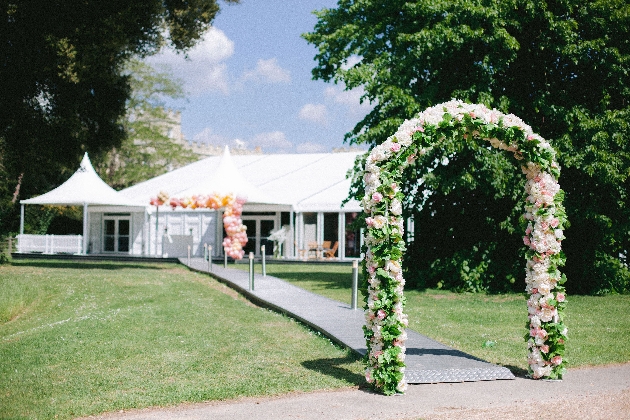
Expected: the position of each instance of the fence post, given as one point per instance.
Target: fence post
(188, 255)
(224, 259)
(355, 283)
(209, 258)
(205, 251)
(251, 271)
(264, 266)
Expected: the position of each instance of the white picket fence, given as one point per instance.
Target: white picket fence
(50, 244)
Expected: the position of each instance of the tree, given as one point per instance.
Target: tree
(561, 66)
(147, 150)
(62, 83)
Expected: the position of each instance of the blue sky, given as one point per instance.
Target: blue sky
(250, 80)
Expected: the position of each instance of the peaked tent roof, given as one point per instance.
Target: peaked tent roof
(306, 182)
(228, 179)
(83, 187)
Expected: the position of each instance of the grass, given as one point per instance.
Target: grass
(490, 327)
(82, 339)
(333, 281)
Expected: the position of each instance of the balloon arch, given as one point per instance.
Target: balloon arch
(236, 238)
(542, 222)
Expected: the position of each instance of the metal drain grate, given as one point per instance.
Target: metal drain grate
(457, 375)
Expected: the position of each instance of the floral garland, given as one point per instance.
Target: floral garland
(236, 232)
(542, 222)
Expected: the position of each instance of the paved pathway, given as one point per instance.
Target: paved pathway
(427, 360)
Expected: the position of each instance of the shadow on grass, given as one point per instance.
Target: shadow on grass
(334, 367)
(85, 265)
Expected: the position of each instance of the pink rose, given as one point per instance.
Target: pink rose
(381, 314)
(395, 147)
(556, 360)
(368, 377)
(554, 223)
(377, 197)
(369, 221)
(544, 348)
(526, 240)
(560, 297)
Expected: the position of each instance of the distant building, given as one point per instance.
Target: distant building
(202, 149)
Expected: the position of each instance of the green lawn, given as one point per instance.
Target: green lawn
(77, 340)
(487, 326)
(83, 339)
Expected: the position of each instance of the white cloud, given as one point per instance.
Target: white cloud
(272, 141)
(317, 113)
(268, 71)
(208, 136)
(205, 69)
(351, 62)
(350, 98)
(310, 148)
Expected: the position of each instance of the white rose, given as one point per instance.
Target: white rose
(396, 207)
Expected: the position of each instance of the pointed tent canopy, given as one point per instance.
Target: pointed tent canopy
(227, 179)
(83, 187)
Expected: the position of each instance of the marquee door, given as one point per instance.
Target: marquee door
(116, 233)
(259, 227)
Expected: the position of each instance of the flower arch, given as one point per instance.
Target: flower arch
(542, 223)
(236, 232)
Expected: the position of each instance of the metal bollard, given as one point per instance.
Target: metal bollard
(209, 259)
(205, 251)
(251, 271)
(188, 255)
(264, 266)
(224, 259)
(355, 283)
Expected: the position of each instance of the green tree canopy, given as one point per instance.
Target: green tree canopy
(63, 87)
(147, 150)
(561, 66)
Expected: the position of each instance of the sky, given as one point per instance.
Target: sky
(249, 80)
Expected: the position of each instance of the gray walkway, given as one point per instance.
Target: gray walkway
(427, 360)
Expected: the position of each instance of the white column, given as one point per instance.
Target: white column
(320, 227)
(22, 219)
(291, 251)
(85, 227)
(299, 233)
(219, 233)
(341, 251)
(157, 219)
(144, 233)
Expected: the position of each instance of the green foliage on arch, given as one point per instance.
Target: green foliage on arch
(543, 222)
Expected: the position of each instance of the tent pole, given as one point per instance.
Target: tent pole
(145, 245)
(22, 219)
(85, 228)
(157, 219)
(292, 230)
